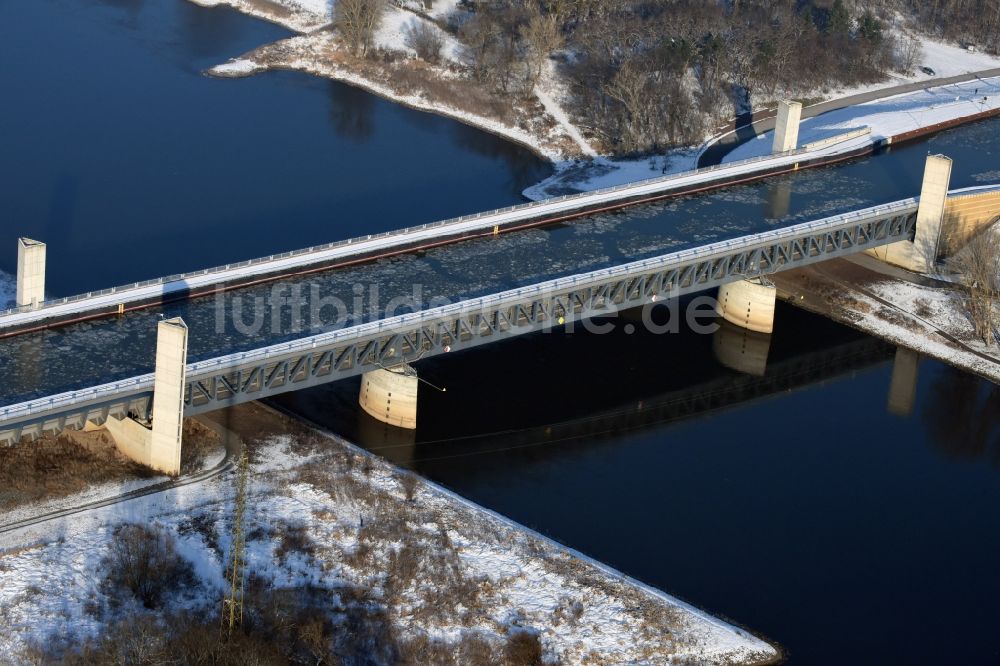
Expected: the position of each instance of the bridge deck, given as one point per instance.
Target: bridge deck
(316, 359)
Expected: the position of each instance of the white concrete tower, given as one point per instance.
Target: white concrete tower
(30, 272)
(920, 255)
(786, 127)
(930, 213)
(168, 395)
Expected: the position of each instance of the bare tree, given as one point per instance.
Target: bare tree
(357, 21)
(424, 38)
(541, 36)
(909, 52)
(978, 265)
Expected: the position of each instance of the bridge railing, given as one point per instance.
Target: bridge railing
(525, 208)
(132, 385)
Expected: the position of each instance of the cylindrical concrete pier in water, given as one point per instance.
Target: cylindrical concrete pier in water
(390, 395)
(748, 303)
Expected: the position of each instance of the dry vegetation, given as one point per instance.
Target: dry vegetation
(977, 266)
(55, 467)
(58, 466)
(391, 581)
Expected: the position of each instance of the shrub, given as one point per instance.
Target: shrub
(424, 38)
(144, 561)
(524, 648)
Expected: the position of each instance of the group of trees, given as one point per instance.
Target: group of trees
(646, 74)
(978, 267)
(507, 43)
(650, 73)
(970, 22)
(358, 21)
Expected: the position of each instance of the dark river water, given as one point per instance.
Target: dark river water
(120, 154)
(792, 502)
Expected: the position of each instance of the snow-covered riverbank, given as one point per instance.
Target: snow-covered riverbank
(352, 518)
(540, 122)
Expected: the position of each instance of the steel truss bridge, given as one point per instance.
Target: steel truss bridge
(227, 380)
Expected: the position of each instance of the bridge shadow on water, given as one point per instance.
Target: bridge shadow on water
(548, 394)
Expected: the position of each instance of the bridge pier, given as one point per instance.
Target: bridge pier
(786, 127)
(159, 445)
(390, 395)
(748, 304)
(30, 273)
(920, 255)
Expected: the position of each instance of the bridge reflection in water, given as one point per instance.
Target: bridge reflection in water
(547, 393)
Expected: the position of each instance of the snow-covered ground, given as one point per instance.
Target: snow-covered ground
(396, 22)
(298, 15)
(587, 176)
(888, 117)
(930, 310)
(339, 497)
(317, 53)
(932, 320)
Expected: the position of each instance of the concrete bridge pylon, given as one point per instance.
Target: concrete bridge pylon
(786, 127)
(158, 444)
(920, 255)
(30, 273)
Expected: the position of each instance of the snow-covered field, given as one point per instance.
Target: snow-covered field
(358, 515)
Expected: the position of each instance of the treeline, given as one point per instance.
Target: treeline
(646, 74)
(968, 22)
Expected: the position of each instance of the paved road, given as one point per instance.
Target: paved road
(715, 153)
